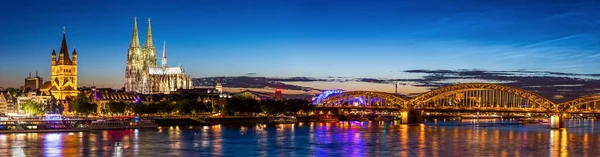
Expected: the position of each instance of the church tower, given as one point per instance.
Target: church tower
(149, 50)
(64, 73)
(133, 70)
(139, 60)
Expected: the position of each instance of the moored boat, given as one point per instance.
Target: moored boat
(475, 116)
(135, 123)
(381, 119)
(533, 121)
(361, 119)
(50, 123)
(282, 120)
(328, 118)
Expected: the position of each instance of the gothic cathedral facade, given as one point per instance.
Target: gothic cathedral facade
(144, 75)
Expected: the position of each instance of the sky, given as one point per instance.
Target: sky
(313, 38)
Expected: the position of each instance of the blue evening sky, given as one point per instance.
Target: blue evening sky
(315, 38)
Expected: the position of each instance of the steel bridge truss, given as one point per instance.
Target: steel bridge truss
(464, 97)
(364, 100)
(484, 97)
(585, 104)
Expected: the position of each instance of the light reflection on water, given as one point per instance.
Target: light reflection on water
(434, 138)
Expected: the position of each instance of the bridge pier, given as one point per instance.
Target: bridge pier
(411, 117)
(557, 122)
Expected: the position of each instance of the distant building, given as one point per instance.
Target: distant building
(11, 102)
(102, 96)
(64, 74)
(247, 94)
(143, 75)
(29, 95)
(205, 95)
(219, 87)
(278, 94)
(33, 82)
(7, 102)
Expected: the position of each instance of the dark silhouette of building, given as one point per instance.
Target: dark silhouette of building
(278, 94)
(33, 82)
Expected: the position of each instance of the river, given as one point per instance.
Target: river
(431, 139)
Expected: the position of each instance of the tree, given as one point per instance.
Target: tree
(205, 107)
(83, 105)
(242, 105)
(187, 106)
(55, 108)
(164, 107)
(33, 107)
(308, 107)
(295, 105)
(271, 106)
(218, 108)
(138, 108)
(13, 92)
(116, 107)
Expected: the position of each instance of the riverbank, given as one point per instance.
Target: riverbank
(45, 130)
(221, 120)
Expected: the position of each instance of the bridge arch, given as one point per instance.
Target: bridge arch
(365, 99)
(585, 104)
(482, 96)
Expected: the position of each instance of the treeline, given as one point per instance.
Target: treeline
(181, 107)
(37, 109)
(251, 106)
(187, 105)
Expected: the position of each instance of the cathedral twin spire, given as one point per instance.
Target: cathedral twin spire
(149, 36)
(135, 41)
(148, 52)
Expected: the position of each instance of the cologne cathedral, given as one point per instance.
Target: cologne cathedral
(143, 75)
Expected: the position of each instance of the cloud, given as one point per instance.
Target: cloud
(552, 40)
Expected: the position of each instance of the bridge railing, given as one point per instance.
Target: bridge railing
(493, 109)
(584, 111)
(361, 107)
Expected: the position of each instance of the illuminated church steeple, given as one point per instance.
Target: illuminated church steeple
(149, 50)
(164, 55)
(134, 65)
(64, 73)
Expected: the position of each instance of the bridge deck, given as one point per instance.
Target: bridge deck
(490, 109)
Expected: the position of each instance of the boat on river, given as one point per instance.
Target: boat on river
(282, 119)
(533, 121)
(50, 123)
(381, 119)
(115, 124)
(328, 118)
(360, 119)
(477, 116)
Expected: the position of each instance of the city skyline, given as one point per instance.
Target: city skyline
(287, 39)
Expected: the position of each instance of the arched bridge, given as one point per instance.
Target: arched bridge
(585, 104)
(364, 99)
(462, 97)
(482, 97)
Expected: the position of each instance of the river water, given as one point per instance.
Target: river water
(432, 139)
